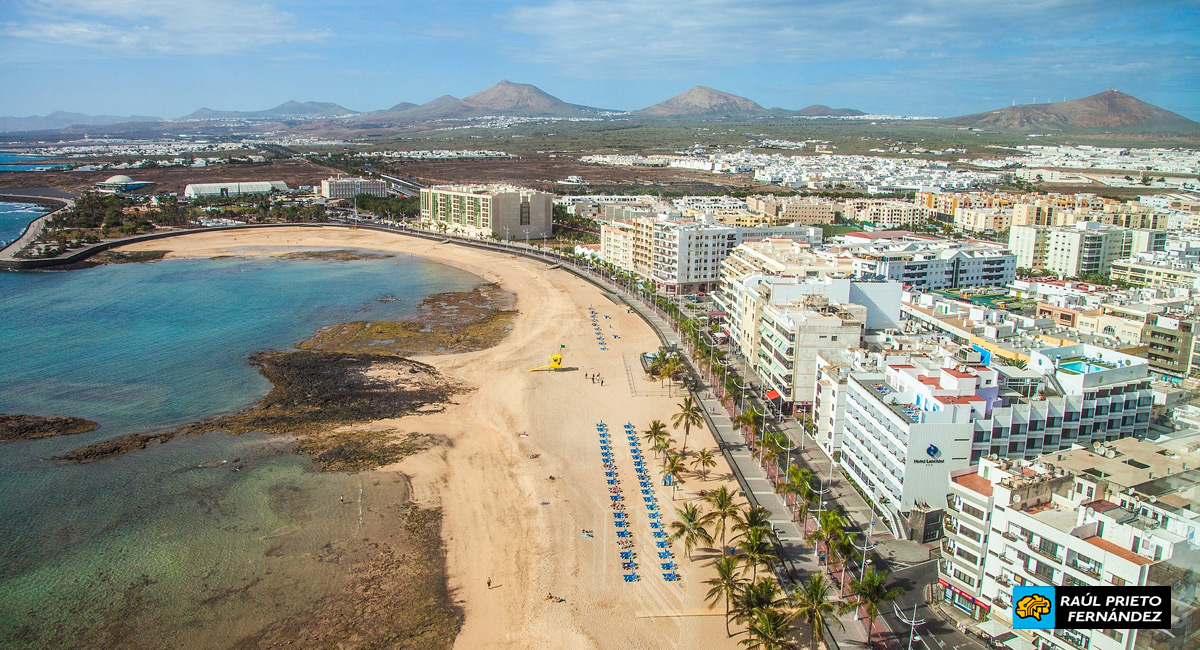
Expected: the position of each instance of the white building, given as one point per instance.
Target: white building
(938, 264)
(348, 188)
(197, 190)
(910, 426)
(687, 255)
(1087, 247)
(496, 211)
(1111, 514)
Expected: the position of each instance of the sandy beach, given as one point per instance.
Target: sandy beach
(503, 518)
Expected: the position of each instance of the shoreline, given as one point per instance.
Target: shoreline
(502, 518)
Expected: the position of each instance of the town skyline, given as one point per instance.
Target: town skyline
(923, 58)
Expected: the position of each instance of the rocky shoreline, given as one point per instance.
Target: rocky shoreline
(347, 373)
(33, 427)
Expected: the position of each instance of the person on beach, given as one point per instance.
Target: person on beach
(342, 498)
(489, 582)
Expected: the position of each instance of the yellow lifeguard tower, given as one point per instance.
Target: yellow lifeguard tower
(555, 363)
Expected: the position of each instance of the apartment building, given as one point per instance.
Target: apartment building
(947, 204)
(803, 210)
(488, 211)
(1088, 247)
(789, 336)
(938, 264)
(616, 246)
(1117, 513)
(908, 427)
(687, 255)
(1156, 271)
(883, 214)
(983, 220)
(348, 188)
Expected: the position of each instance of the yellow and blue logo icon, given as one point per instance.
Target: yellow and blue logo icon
(1033, 608)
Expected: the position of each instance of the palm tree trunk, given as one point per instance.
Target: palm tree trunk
(728, 634)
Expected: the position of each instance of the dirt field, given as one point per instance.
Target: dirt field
(173, 179)
(543, 172)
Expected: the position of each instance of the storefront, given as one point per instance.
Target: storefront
(964, 601)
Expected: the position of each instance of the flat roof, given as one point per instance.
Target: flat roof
(1127, 554)
(975, 483)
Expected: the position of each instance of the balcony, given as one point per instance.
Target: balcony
(1043, 553)
(1085, 569)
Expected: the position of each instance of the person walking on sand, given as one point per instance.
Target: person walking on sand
(342, 498)
(489, 582)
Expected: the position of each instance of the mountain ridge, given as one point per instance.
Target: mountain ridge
(64, 119)
(1110, 110)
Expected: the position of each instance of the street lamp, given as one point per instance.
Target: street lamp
(867, 546)
(911, 622)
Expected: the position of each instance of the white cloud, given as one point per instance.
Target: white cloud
(156, 27)
(620, 38)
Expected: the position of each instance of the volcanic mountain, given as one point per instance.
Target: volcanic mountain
(821, 110)
(310, 110)
(1110, 110)
(504, 98)
(702, 101)
(64, 119)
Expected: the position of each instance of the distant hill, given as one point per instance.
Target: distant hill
(821, 110)
(402, 106)
(63, 119)
(1110, 110)
(702, 101)
(504, 98)
(310, 110)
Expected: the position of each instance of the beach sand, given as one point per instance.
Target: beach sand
(503, 518)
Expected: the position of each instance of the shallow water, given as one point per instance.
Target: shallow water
(14, 217)
(177, 545)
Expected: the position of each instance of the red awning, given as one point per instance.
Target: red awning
(773, 394)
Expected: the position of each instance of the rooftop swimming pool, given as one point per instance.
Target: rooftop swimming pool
(1082, 367)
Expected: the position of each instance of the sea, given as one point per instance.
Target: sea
(14, 217)
(17, 162)
(204, 539)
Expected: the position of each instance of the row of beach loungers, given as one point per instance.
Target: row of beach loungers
(599, 332)
(628, 562)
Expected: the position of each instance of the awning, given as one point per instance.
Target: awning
(1018, 643)
(773, 395)
(994, 628)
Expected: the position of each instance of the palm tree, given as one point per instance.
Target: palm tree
(799, 484)
(747, 419)
(704, 461)
(672, 367)
(725, 586)
(689, 415)
(829, 525)
(689, 527)
(870, 592)
(813, 604)
(754, 518)
(724, 508)
(755, 596)
(662, 446)
(756, 549)
(769, 629)
(842, 547)
(674, 468)
(656, 433)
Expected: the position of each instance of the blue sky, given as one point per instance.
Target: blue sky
(916, 57)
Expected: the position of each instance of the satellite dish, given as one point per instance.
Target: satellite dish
(1111, 453)
(1089, 512)
(1153, 499)
(1016, 498)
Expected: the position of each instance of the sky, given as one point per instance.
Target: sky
(167, 58)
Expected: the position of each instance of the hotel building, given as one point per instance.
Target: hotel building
(492, 211)
(907, 428)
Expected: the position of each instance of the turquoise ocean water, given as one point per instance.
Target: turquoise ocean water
(172, 546)
(14, 217)
(15, 162)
